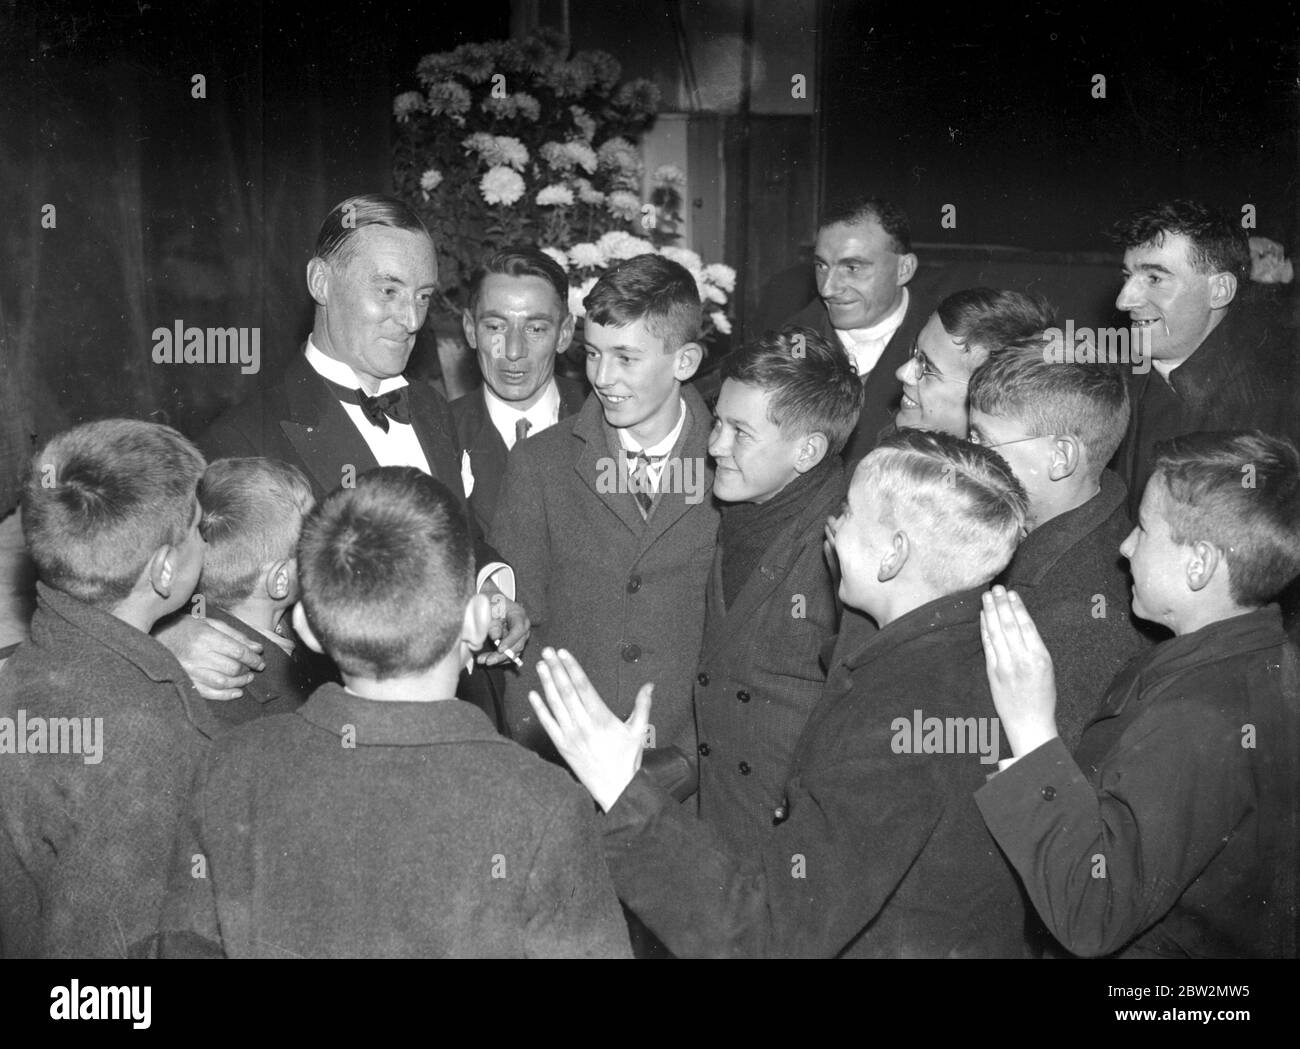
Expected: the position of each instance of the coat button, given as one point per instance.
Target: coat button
(702, 678)
(779, 814)
(633, 584)
(1048, 793)
(743, 696)
(631, 653)
(704, 750)
(744, 768)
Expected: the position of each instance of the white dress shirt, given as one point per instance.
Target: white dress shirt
(398, 447)
(504, 415)
(654, 471)
(865, 345)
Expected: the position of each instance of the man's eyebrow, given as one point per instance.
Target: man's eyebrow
(1151, 267)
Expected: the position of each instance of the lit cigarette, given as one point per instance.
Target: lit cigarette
(512, 657)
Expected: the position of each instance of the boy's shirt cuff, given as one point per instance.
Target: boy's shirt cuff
(500, 573)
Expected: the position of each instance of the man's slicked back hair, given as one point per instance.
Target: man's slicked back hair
(1218, 243)
(386, 570)
(962, 508)
(101, 498)
(335, 242)
(252, 513)
(522, 260)
(811, 383)
(651, 288)
(1086, 401)
(857, 211)
(1239, 490)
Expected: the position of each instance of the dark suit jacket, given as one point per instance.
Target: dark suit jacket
(623, 594)
(359, 829)
(874, 853)
(487, 451)
(882, 389)
(281, 688)
(759, 675)
(84, 847)
(1074, 582)
(299, 420)
(1185, 789)
(1242, 377)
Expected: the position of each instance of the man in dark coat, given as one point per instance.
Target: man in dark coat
(1056, 425)
(863, 261)
(1172, 832)
(517, 320)
(1214, 362)
(875, 849)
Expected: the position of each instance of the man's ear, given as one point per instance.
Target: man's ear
(812, 450)
(278, 579)
(688, 361)
(162, 570)
(477, 619)
(900, 549)
(471, 334)
(1203, 561)
(318, 274)
(1223, 289)
(1066, 457)
(906, 268)
(566, 333)
(304, 631)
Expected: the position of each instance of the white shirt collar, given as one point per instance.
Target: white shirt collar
(662, 447)
(337, 372)
(882, 329)
(504, 415)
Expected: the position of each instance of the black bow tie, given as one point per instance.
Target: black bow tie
(393, 405)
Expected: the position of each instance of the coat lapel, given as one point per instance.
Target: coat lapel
(431, 419)
(593, 466)
(320, 430)
(692, 453)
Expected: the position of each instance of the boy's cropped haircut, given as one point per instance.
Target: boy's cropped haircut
(1218, 243)
(521, 260)
(991, 318)
(960, 504)
(811, 382)
(1239, 490)
(1087, 401)
(101, 498)
(386, 570)
(252, 514)
(651, 288)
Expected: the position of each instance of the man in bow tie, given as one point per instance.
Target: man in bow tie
(863, 262)
(343, 406)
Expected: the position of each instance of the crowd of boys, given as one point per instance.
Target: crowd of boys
(800, 678)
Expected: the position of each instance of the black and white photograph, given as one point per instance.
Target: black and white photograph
(651, 480)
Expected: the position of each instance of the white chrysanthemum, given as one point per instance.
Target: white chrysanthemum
(710, 292)
(497, 150)
(618, 246)
(431, 180)
(529, 108)
(406, 103)
(585, 255)
(587, 193)
(576, 295)
(623, 205)
(720, 321)
(501, 186)
(669, 175)
(582, 155)
(512, 152)
(584, 122)
(557, 195)
(559, 256)
(721, 275)
(687, 258)
(618, 153)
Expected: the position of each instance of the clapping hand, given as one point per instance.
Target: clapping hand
(1020, 671)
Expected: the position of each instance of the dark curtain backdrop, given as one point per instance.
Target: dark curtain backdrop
(176, 208)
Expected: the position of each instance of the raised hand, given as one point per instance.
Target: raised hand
(1020, 671)
(218, 658)
(603, 752)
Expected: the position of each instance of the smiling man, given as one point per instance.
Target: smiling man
(863, 262)
(343, 406)
(1216, 363)
(517, 322)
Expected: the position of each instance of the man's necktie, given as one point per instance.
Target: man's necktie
(395, 404)
(640, 464)
(522, 426)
